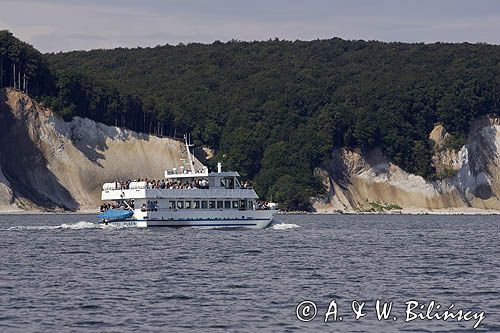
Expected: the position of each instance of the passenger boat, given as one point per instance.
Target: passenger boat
(186, 198)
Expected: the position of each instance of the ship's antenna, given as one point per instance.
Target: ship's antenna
(190, 158)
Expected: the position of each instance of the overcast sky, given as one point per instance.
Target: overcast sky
(58, 25)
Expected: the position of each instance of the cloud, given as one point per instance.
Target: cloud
(72, 25)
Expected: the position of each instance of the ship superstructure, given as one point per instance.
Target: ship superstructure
(186, 197)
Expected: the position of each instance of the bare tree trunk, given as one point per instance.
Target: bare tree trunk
(14, 75)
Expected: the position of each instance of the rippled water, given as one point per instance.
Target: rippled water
(63, 273)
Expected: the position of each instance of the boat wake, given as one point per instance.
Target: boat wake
(72, 226)
(84, 225)
(284, 226)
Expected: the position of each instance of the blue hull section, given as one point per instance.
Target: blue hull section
(115, 214)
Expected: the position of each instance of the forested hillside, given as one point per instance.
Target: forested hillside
(274, 110)
(22, 67)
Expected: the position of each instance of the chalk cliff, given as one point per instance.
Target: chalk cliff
(6, 195)
(47, 163)
(471, 181)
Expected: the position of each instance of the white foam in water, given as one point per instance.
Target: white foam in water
(284, 226)
(80, 225)
(73, 226)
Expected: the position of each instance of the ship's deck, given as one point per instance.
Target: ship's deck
(148, 193)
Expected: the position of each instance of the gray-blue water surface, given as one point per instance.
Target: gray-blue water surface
(61, 273)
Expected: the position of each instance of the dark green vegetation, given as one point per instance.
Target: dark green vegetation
(22, 66)
(273, 110)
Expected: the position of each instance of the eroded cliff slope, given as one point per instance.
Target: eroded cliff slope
(471, 176)
(47, 163)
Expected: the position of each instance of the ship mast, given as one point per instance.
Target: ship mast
(190, 157)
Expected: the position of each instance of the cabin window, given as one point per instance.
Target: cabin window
(196, 204)
(220, 204)
(180, 204)
(187, 205)
(227, 204)
(204, 205)
(243, 204)
(211, 204)
(250, 204)
(236, 204)
(171, 204)
(230, 183)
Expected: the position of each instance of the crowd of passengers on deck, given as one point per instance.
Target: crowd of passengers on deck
(171, 185)
(162, 184)
(116, 205)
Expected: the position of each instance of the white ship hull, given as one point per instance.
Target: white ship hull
(208, 219)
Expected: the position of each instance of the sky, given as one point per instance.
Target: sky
(63, 25)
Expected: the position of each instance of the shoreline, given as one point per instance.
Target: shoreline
(41, 212)
(412, 211)
(451, 212)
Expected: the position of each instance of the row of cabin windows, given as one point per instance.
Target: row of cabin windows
(211, 204)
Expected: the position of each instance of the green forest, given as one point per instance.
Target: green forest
(273, 110)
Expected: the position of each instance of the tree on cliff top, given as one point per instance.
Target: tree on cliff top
(22, 66)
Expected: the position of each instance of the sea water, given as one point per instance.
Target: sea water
(65, 273)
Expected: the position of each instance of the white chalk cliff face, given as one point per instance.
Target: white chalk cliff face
(47, 163)
(353, 181)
